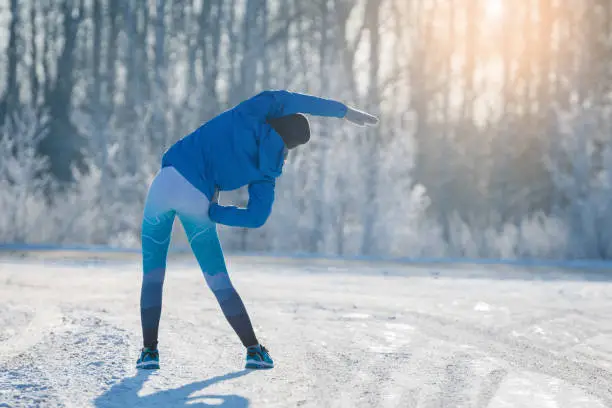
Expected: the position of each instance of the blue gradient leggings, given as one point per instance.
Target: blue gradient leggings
(170, 195)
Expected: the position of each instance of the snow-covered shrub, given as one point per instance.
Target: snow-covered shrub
(403, 227)
(536, 236)
(24, 180)
(543, 237)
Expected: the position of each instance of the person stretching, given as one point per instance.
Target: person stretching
(243, 146)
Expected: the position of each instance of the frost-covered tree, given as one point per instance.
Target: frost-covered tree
(580, 164)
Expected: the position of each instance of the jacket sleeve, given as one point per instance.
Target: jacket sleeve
(274, 104)
(261, 198)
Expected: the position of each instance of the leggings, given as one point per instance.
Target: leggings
(169, 195)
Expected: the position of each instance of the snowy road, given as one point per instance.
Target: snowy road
(342, 334)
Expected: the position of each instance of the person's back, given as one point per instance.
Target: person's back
(245, 145)
(240, 146)
(200, 156)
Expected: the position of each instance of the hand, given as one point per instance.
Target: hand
(360, 118)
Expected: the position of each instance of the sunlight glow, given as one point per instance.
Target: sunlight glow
(494, 9)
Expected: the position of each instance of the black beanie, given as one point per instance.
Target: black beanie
(294, 129)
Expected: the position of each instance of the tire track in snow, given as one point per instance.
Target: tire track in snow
(361, 370)
(593, 379)
(490, 386)
(351, 364)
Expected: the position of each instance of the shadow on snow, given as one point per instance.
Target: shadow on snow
(125, 394)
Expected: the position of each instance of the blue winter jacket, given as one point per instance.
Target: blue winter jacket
(239, 148)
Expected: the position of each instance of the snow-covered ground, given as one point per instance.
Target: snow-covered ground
(343, 334)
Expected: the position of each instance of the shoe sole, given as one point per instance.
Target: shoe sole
(148, 366)
(259, 365)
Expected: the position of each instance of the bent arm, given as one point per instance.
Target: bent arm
(261, 198)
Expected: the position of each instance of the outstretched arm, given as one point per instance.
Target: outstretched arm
(261, 198)
(274, 104)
